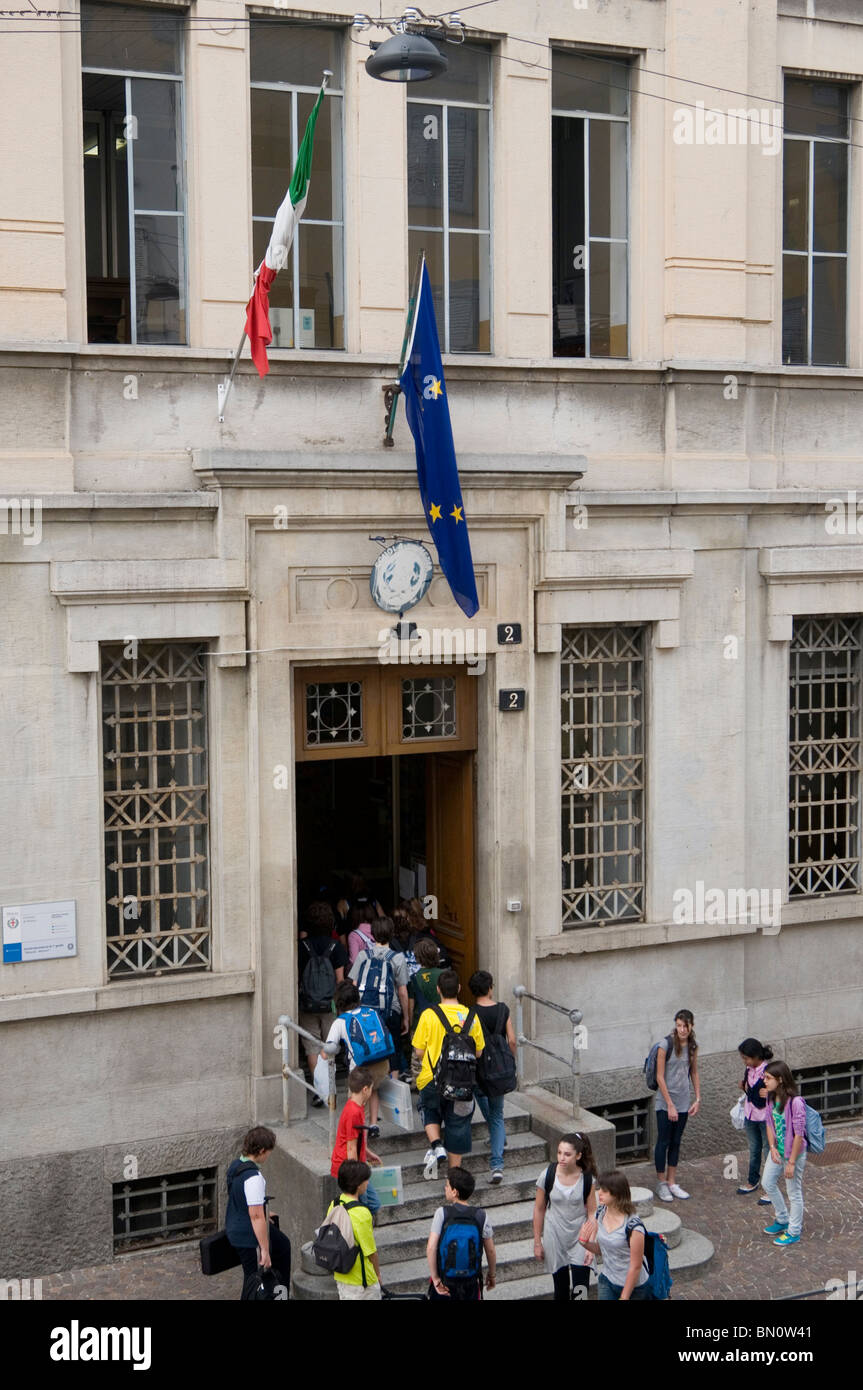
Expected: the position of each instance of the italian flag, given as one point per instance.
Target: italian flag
(258, 329)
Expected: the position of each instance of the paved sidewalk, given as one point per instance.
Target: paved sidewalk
(746, 1265)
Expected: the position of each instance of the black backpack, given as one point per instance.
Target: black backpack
(335, 1244)
(548, 1184)
(455, 1070)
(264, 1286)
(318, 983)
(495, 1067)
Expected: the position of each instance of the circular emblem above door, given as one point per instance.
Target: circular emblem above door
(401, 576)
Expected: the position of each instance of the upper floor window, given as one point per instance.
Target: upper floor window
(825, 757)
(590, 159)
(134, 182)
(448, 195)
(307, 299)
(815, 224)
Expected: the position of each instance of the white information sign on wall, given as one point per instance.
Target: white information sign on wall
(39, 931)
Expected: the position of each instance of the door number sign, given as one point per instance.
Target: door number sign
(510, 699)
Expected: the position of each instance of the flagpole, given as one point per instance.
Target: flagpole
(412, 306)
(224, 387)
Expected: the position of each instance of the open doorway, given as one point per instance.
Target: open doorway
(405, 823)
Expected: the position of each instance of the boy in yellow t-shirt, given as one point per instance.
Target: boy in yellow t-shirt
(454, 1115)
(353, 1179)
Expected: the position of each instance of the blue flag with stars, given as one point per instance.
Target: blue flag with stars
(427, 413)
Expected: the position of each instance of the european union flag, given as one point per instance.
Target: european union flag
(427, 413)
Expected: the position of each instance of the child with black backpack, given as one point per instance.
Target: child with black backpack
(565, 1196)
(367, 1040)
(344, 1243)
(322, 965)
(446, 1045)
(458, 1236)
(496, 1070)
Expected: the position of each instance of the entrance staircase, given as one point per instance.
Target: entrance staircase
(402, 1231)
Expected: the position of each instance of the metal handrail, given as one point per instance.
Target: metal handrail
(331, 1050)
(574, 1015)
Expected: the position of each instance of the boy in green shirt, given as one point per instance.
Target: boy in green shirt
(353, 1179)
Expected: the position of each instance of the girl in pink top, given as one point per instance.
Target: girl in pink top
(755, 1057)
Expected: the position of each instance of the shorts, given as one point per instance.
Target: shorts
(356, 1291)
(380, 1070)
(318, 1025)
(456, 1128)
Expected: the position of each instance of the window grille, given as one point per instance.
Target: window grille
(602, 775)
(156, 808)
(334, 714)
(428, 708)
(152, 1212)
(630, 1119)
(825, 760)
(836, 1091)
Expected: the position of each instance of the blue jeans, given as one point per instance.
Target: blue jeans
(756, 1137)
(371, 1200)
(491, 1108)
(772, 1173)
(668, 1136)
(609, 1293)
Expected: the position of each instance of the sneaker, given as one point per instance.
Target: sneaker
(439, 1152)
(664, 1193)
(317, 1103)
(786, 1239)
(496, 1178)
(776, 1228)
(677, 1191)
(373, 1131)
(430, 1165)
(745, 1191)
(764, 1202)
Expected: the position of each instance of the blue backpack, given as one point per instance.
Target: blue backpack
(649, 1067)
(655, 1257)
(368, 1037)
(815, 1137)
(376, 983)
(459, 1252)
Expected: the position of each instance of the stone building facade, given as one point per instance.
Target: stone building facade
(654, 379)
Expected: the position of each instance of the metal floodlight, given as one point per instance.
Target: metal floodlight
(406, 58)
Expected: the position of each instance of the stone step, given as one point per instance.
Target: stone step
(689, 1257)
(665, 1223)
(521, 1149)
(511, 1221)
(644, 1199)
(530, 1288)
(423, 1198)
(515, 1260)
(391, 1139)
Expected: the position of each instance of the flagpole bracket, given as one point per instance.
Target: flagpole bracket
(391, 390)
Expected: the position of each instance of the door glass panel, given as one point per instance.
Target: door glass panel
(830, 199)
(608, 179)
(795, 329)
(159, 275)
(156, 152)
(425, 166)
(828, 311)
(795, 195)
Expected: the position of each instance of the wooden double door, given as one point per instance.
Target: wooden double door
(429, 715)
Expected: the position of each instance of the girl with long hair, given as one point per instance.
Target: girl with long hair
(755, 1058)
(676, 1068)
(786, 1135)
(618, 1236)
(564, 1197)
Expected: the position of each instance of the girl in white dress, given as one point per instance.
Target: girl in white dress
(565, 1196)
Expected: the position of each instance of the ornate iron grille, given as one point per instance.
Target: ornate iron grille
(836, 1091)
(603, 775)
(154, 735)
(825, 760)
(428, 708)
(334, 713)
(630, 1119)
(161, 1211)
